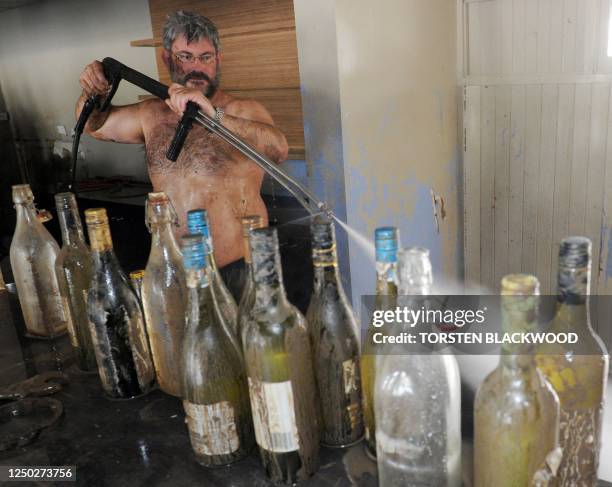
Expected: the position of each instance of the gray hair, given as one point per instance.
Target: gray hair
(192, 25)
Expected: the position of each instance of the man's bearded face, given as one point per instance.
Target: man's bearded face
(182, 74)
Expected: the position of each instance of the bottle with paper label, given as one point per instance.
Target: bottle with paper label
(516, 411)
(387, 244)
(33, 255)
(248, 294)
(417, 399)
(215, 392)
(577, 371)
(116, 319)
(73, 267)
(197, 222)
(280, 371)
(164, 294)
(333, 332)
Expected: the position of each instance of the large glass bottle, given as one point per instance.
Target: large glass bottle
(73, 268)
(197, 222)
(417, 399)
(215, 392)
(248, 293)
(33, 255)
(164, 294)
(577, 372)
(279, 366)
(116, 319)
(386, 241)
(335, 343)
(516, 412)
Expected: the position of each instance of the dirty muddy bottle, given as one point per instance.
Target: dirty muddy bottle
(197, 222)
(516, 411)
(417, 399)
(33, 255)
(578, 372)
(280, 371)
(335, 343)
(215, 392)
(73, 267)
(248, 293)
(387, 243)
(116, 319)
(164, 294)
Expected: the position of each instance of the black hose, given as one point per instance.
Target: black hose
(88, 107)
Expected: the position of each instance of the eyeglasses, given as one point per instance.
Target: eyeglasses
(188, 58)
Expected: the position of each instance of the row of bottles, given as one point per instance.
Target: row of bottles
(262, 373)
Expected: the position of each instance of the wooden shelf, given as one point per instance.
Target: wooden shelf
(146, 43)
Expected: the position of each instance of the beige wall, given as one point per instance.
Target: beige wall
(398, 98)
(44, 47)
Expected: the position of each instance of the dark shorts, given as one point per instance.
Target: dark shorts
(234, 277)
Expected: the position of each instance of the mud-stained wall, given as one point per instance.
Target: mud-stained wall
(397, 78)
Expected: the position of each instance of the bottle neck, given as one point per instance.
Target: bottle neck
(518, 315)
(325, 263)
(269, 288)
(72, 230)
(162, 236)
(573, 299)
(100, 238)
(26, 213)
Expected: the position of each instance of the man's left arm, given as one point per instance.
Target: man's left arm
(248, 119)
(251, 121)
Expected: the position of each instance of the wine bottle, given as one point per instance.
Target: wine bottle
(248, 294)
(578, 372)
(164, 294)
(73, 268)
(197, 222)
(387, 243)
(33, 255)
(116, 319)
(417, 401)
(280, 372)
(516, 412)
(335, 345)
(215, 392)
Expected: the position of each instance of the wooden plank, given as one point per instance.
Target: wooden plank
(505, 22)
(255, 61)
(562, 174)
(533, 117)
(490, 37)
(603, 61)
(580, 156)
(591, 8)
(502, 179)
(531, 37)
(546, 190)
(519, 40)
(570, 11)
(487, 186)
(237, 14)
(595, 170)
(517, 169)
(544, 15)
(472, 174)
(555, 43)
(146, 43)
(474, 46)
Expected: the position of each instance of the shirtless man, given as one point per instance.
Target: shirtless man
(209, 173)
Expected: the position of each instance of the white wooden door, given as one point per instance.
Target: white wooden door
(537, 127)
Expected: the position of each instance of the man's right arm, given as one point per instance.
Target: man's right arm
(118, 124)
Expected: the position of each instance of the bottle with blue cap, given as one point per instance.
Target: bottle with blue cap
(387, 243)
(164, 293)
(335, 343)
(197, 222)
(577, 371)
(214, 386)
